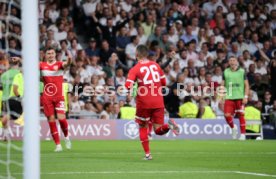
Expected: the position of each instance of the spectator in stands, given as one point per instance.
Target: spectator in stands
(130, 51)
(156, 36)
(258, 85)
(251, 74)
(149, 26)
(205, 110)
(109, 30)
(110, 68)
(188, 36)
(172, 101)
(104, 110)
(76, 106)
(105, 52)
(14, 49)
(188, 109)
(267, 106)
(141, 35)
(273, 115)
(122, 40)
(127, 111)
(92, 49)
(217, 77)
(273, 77)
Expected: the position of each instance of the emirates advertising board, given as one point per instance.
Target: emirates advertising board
(95, 129)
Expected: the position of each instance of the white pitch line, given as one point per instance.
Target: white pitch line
(156, 153)
(154, 172)
(256, 174)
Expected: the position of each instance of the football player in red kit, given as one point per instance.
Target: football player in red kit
(149, 100)
(52, 96)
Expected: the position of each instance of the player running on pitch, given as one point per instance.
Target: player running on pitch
(149, 100)
(52, 97)
(237, 89)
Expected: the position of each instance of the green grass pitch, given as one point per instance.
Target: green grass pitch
(171, 159)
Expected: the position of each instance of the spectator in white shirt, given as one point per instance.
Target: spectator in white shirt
(61, 34)
(217, 77)
(254, 44)
(53, 13)
(175, 70)
(209, 8)
(247, 60)
(131, 50)
(120, 79)
(260, 68)
(126, 5)
(195, 26)
(141, 35)
(183, 62)
(241, 44)
(93, 68)
(89, 7)
(191, 53)
(172, 36)
(76, 106)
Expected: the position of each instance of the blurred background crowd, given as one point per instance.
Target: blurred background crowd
(190, 39)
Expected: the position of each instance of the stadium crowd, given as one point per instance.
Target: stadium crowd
(191, 40)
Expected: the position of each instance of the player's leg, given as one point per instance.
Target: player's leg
(13, 112)
(49, 112)
(142, 118)
(61, 115)
(4, 121)
(5, 118)
(240, 114)
(158, 123)
(229, 110)
(150, 126)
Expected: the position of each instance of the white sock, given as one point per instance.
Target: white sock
(67, 138)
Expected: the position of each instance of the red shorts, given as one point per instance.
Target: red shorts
(233, 106)
(52, 105)
(156, 116)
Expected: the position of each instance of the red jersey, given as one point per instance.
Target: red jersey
(150, 78)
(52, 75)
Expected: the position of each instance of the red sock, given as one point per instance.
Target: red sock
(64, 126)
(54, 131)
(144, 139)
(230, 122)
(162, 130)
(242, 124)
(150, 127)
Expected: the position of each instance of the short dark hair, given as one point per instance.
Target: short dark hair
(142, 51)
(132, 38)
(106, 105)
(50, 48)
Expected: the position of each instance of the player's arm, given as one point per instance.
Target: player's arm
(16, 86)
(131, 78)
(68, 62)
(246, 91)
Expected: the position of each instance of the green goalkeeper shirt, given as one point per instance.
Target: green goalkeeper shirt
(234, 83)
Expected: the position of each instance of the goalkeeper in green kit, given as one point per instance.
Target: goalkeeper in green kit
(237, 89)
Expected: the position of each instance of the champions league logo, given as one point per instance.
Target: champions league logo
(131, 130)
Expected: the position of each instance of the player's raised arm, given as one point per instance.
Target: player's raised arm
(68, 62)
